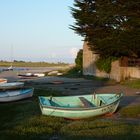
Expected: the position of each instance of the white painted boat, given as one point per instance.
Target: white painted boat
(15, 95)
(10, 68)
(39, 74)
(52, 73)
(27, 75)
(3, 80)
(13, 85)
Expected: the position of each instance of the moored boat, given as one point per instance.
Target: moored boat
(81, 106)
(15, 95)
(12, 85)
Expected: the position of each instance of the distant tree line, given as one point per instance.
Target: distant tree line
(111, 27)
(19, 61)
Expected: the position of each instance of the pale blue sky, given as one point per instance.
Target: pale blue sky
(38, 30)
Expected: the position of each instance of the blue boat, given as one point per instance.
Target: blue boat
(80, 106)
(15, 95)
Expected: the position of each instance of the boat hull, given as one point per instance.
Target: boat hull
(14, 85)
(80, 113)
(9, 96)
(2, 81)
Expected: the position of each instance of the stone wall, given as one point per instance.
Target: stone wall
(89, 59)
(122, 73)
(129, 72)
(117, 73)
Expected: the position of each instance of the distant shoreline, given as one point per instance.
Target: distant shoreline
(32, 64)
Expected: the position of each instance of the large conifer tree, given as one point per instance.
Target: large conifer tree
(112, 27)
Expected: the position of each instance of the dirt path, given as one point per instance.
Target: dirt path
(75, 86)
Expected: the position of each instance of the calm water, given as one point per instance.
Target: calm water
(32, 69)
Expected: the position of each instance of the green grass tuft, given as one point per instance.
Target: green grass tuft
(98, 130)
(132, 83)
(131, 111)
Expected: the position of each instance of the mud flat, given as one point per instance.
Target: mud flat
(13, 75)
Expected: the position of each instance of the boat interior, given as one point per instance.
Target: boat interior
(85, 101)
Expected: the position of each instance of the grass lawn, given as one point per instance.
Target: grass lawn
(132, 83)
(23, 120)
(131, 111)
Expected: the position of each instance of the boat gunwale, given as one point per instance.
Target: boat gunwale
(13, 85)
(31, 89)
(80, 108)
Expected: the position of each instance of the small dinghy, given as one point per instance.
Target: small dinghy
(79, 107)
(2, 80)
(27, 76)
(15, 95)
(39, 74)
(13, 85)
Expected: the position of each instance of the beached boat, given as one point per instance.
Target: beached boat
(31, 75)
(27, 76)
(15, 95)
(8, 69)
(13, 85)
(2, 80)
(39, 74)
(81, 106)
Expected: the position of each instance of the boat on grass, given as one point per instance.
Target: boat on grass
(15, 95)
(3, 80)
(12, 85)
(81, 106)
(31, 75)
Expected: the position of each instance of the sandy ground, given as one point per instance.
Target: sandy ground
(75, 86)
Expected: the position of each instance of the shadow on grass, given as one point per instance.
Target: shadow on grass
(127, 100)
(23, 119)
(99, 129)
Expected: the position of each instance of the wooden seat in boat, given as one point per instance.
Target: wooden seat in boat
(85, 102)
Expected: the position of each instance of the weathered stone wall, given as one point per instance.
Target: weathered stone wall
(121, 73)
(89, 59)
(129, 72)
(117, 73)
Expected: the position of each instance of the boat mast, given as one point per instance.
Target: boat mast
(11, 56)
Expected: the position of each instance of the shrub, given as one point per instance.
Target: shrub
(79, 60)
(104, 64)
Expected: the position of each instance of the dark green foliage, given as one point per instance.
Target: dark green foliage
(79, 60)
(112, 27)
(104, 64)
(73, 73)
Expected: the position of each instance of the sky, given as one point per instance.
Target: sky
(38, 30)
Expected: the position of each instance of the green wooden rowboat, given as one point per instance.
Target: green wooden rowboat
(81, 106)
